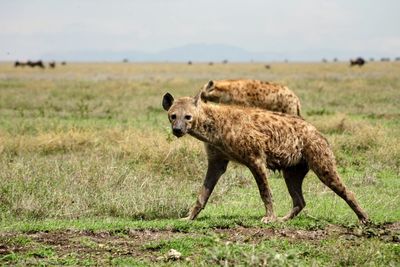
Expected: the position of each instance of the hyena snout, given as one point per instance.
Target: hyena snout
(178, 132)
(179, 129)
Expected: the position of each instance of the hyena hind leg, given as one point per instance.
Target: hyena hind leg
(330, 178)
(294, 177)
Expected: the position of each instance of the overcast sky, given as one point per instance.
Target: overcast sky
(31, 29)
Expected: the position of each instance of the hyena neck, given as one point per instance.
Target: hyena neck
(206, 127)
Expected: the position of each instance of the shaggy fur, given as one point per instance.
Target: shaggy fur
(258, 139)
(252, 93)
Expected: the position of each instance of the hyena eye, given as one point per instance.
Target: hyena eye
(188, 117)
(173, 117)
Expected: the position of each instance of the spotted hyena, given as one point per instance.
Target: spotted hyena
(252, 93)
(260, 140)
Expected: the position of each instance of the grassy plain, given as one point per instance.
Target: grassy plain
(90, 173)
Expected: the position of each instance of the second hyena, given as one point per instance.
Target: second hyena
(252, 93)
(258, 139)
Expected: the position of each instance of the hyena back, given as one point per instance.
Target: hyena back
(252, 93)
(260, 140)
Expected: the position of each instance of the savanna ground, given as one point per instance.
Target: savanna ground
(91, 175)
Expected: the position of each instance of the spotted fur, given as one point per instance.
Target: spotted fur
(252, 93)
(258, 139)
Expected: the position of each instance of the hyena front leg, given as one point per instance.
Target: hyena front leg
(260, 173)
(216, 167)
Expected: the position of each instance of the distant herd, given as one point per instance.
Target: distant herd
(38, 63)
(359, 61)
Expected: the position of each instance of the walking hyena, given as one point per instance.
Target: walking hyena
(252, 93)
(259, 139)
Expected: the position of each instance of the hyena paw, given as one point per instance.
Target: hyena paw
(366, 221)
(186, 219)
(285, 218)
(269, 219)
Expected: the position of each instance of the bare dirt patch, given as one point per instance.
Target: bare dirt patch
(130, 243)
(387, 232)
(86, 244)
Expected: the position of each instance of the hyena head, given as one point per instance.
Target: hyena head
(211, 92)
(181, 113)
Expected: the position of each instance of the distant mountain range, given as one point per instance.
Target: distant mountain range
(203, 53)
(192, 52)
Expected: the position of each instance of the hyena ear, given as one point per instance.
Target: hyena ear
(167, 101)
(197, 99)
(210, 85)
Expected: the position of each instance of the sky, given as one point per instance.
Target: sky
(302, 29)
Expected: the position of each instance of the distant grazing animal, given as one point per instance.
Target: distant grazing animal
(358, 61)
(63, 63)
(210, 63)
(52, 64)
(20, 64)
(260, 140)
(267, 67)
(29, 63)
(38, 63)
(190, 62)
(385, 59)
(252, 93)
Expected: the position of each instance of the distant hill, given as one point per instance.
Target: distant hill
(208, 52)
(193, 52)
(205, 53)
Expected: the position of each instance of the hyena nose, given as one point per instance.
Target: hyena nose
(177, 131)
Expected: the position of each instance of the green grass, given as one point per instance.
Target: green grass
(90, 173)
